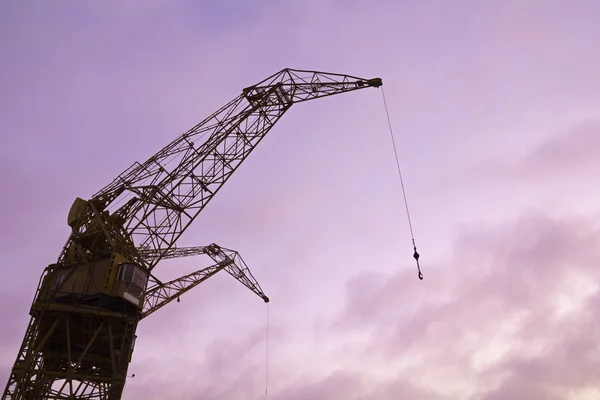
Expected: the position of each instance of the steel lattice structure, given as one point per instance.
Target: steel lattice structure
(87, 306)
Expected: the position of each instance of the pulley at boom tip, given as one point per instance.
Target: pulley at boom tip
(375, 82)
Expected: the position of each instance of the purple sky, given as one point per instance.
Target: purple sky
(496, 111)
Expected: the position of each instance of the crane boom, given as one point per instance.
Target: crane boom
(88, 304)
(158, 202)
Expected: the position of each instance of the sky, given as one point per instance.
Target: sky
(495, 112)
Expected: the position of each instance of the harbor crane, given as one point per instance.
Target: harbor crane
(87, 305)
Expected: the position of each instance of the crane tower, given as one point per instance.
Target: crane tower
(88, 304)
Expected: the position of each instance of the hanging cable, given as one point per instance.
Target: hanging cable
(267, 355)
(416, 254)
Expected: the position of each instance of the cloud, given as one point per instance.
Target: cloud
(229, 367)
(552, 171)
(512, 315)
(565, 154)
(514, 312)
(568, 366)
(570, 150)
(337, 386)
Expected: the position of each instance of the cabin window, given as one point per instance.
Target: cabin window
(133, 275)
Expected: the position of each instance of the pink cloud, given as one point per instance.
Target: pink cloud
(572, 149)
(515, 270)
(567, 153)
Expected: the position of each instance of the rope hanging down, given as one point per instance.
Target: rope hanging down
(416, 254)
(267, 355)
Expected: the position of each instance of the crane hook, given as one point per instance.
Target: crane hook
(416, 256)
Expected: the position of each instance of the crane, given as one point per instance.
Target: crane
(87, 305)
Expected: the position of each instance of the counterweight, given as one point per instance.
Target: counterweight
(87, 306)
